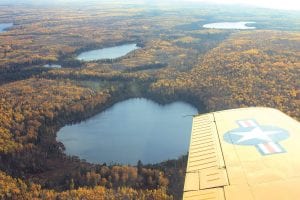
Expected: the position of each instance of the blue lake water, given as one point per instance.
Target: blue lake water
(52, 66)
(4, 26)
(107, 53)
(131, 130)
(230, 25)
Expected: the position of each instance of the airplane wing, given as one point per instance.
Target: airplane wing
(243, 154)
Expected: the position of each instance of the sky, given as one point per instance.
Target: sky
(274, 4)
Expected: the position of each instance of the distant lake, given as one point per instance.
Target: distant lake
(131, 130)
(4, 26)
(230, 25)
(52, 66)
(107, 53)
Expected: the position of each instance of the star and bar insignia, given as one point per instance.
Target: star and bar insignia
(265, 138)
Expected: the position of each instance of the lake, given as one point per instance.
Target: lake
(230, 25)
(52, 66)
(131, 130)
(4, 26)
(107, 53)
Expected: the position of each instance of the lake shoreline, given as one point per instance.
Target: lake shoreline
(242, 25)
(5, 27)
(135, 117)
(109, 53)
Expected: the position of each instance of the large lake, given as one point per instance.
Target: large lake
(131, 130)
(107, 53)
(4, 26)
(230, 25)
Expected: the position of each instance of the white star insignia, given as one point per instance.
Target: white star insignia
(256, 133)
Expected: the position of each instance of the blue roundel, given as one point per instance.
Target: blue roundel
(265, 138)
(255, 135)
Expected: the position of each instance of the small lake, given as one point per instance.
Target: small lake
(131, 130)
(52, 66)
(4, 26)
(230, 25)
(107, 53)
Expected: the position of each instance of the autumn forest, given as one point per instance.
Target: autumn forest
(177, 59)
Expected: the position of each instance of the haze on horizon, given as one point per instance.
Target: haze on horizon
(272, 4)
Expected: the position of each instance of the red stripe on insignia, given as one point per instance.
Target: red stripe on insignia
(242, 123)
(248, 124)
(275, 146)
(252, 123)
(269, 147)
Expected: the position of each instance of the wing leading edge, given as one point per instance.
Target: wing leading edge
(247, 153)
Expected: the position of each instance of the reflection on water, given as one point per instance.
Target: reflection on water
(52, 66)
(4, 26)
(131, 130)
(230, 25)
(107, 53)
